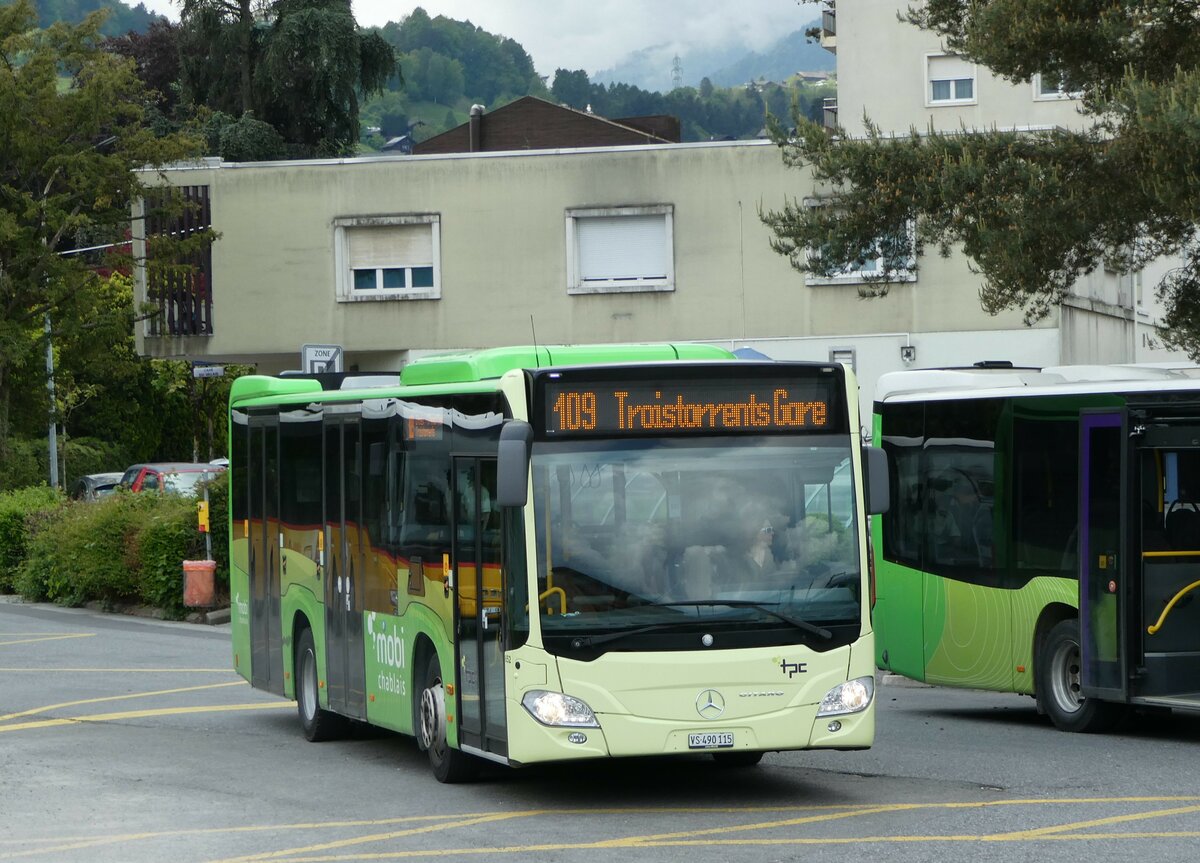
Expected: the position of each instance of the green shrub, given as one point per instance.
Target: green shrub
(218, 519)
(25, 463)
(21, 512)
(82, 553)
(84, 455)
(167, 536)
(126, 548)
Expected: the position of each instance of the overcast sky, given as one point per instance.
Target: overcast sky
(596, 34)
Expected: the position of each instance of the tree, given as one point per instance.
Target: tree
(315, 64)
(72, 140)
(571, 87)
(156, 55)
(219, 49)
(1034, 210)
(301, 66)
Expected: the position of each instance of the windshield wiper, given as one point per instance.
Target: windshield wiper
(819, 631)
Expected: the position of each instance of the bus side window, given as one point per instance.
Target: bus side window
(426, 522)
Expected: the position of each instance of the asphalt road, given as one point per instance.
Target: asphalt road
(132, 741)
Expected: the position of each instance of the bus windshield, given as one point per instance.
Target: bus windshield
(663, 539)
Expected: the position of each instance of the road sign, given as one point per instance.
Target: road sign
(321, 358)
(208, 371)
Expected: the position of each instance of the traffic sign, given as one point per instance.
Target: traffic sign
(208, 371)
(321, 358)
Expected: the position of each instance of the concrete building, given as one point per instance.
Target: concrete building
(390, 256)
(902, 78)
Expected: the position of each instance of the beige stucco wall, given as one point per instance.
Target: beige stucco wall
(503, 256)
(881, 69)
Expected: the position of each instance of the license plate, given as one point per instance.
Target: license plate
(711, 740)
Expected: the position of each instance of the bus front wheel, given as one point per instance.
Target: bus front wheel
(318, 724)
(448, 764)
(1059, 688)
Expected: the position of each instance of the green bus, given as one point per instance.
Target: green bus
(536, 554)
(1044, 535)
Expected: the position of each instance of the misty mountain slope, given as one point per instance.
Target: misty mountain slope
(725, 65)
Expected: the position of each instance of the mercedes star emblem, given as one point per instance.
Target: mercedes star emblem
(710, 704)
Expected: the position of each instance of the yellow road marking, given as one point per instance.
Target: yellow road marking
(469, 819)
(142, 714)
(50, 707)
(28, 670)
(380, 837)
(1098, 822)
(41, 638)
(769, 825)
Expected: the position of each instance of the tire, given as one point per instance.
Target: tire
(448, 765)
(1058, 686)
(737, 759)
(318, 724)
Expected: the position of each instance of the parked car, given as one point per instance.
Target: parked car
(177, 477)
(94, 486)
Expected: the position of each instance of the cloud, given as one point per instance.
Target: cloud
(574, 34)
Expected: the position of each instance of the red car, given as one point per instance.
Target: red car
(177, 477)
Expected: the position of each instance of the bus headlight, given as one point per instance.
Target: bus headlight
(557, 709)
(849, 697)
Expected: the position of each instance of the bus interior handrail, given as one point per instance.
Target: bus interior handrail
(562, 597)
(1157, 625)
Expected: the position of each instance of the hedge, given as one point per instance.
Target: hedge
(123, 549)
(21, 512)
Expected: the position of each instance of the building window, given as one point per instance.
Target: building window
(620, 249)
(951, 79)
(1051, 87)
(388, 257)
(889, 258)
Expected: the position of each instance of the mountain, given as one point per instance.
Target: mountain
(791, 54)
(121, 17)
(651, 68)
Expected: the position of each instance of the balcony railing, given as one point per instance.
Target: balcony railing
(829, 113)
(829, 28)
(181, 290)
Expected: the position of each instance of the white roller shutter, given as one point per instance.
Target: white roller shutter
(619, 248)
(390, 246)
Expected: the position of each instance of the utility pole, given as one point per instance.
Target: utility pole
(53, 434)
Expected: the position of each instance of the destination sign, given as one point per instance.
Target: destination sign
(691, 407)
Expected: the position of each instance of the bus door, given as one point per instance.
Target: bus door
(480, 615)
(266, 630)
(1167, 622)
(345, 671)
(1105, 587)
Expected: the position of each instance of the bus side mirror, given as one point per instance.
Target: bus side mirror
(512, 469)
(878, 493)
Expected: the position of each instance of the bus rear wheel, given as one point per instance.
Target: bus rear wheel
(448, 764)
(318, 724)
(1059, 687)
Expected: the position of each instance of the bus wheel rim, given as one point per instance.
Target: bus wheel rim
(433, 729)
(1066, 678)
(308, 684)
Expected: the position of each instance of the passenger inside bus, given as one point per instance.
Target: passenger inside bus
(743, 559)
